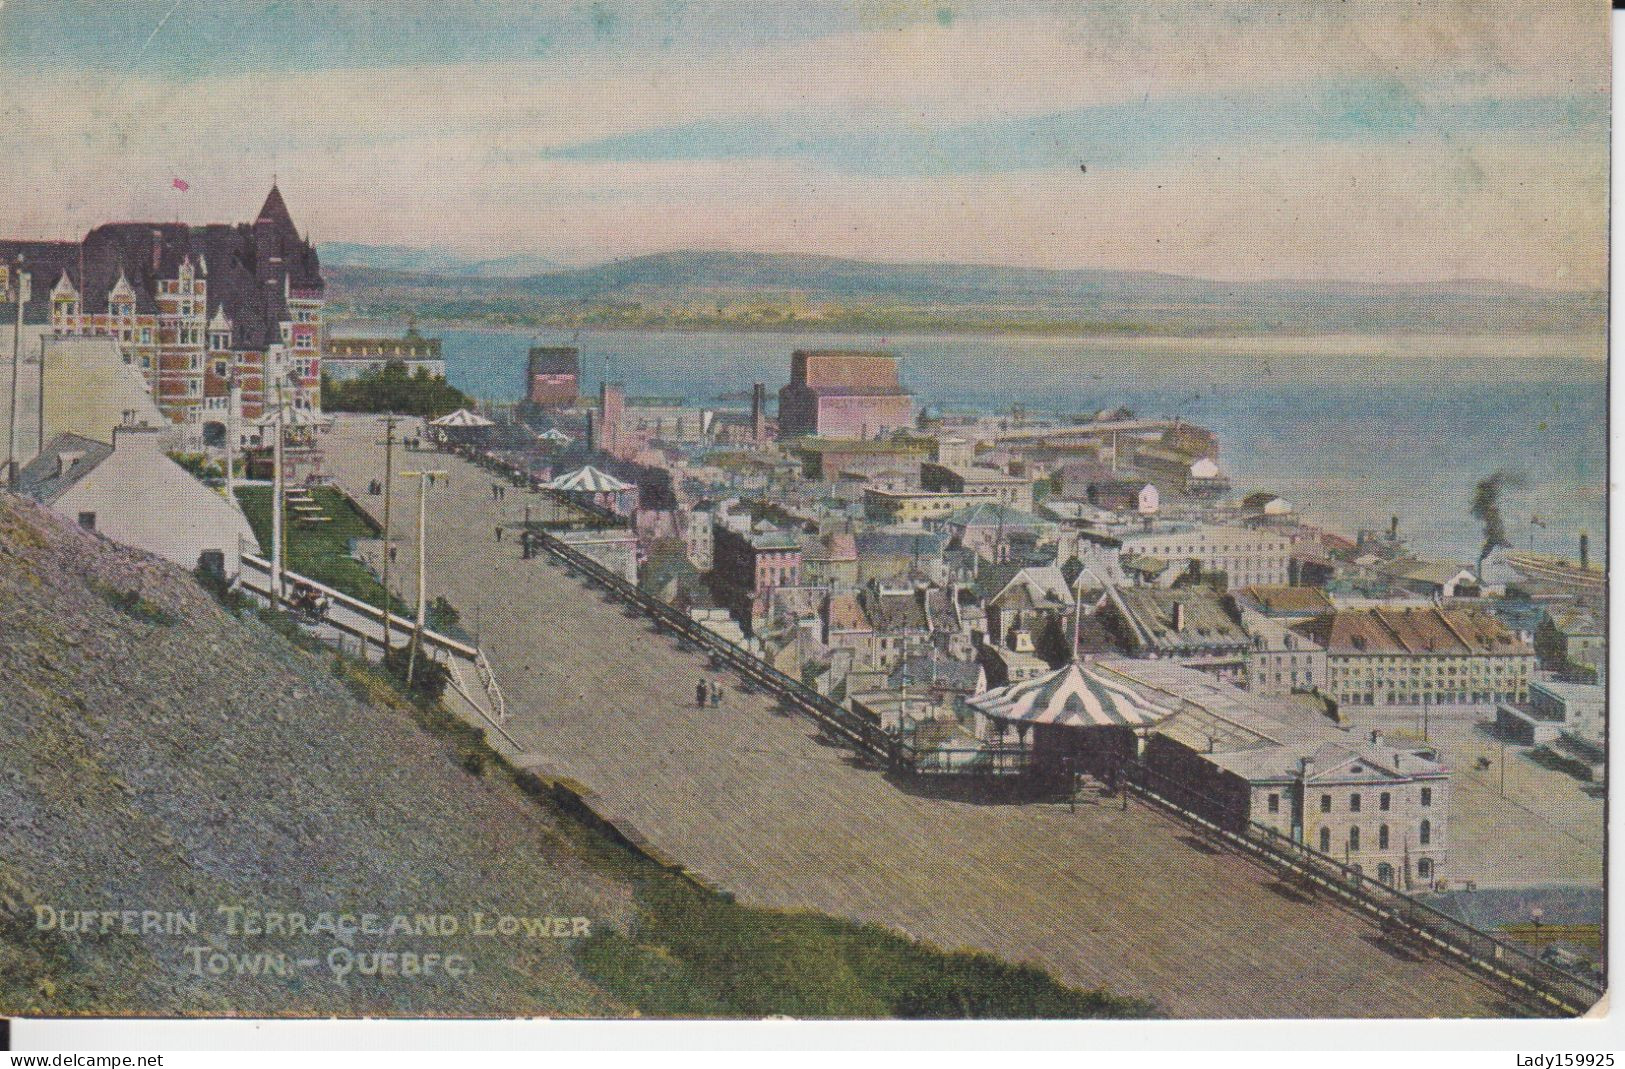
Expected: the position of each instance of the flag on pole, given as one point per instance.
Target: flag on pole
(181, 184)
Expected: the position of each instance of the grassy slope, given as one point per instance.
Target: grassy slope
(322, 551)
(166, 752)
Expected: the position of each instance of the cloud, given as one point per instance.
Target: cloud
(1115, 135)
(877, 129)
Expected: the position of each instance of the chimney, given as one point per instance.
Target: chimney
(1585, 549)
(592, 442)
(1393, 527)
(758, 412)
(157, 249)
(1306, 768)
(1179, 616)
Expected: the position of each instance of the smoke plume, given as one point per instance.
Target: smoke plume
(1487, 509)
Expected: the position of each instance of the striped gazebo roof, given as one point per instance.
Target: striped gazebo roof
(1073, 696)
(589, 480)
(461, 418)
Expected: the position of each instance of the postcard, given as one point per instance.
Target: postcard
(835, 510)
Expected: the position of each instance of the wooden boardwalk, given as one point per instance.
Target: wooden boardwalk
(749, 799)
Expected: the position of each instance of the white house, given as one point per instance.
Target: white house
(133, 493)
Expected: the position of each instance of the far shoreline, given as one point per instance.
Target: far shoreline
(1542, 345)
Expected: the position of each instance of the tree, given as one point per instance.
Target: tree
(392, 389)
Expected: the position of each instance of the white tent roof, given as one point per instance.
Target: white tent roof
(553, 434)
(294, 417)
(1073, 696)
(589, 480)
(461, 418)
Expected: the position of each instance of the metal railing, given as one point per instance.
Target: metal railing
(1403, 918)
(437, 647)
(493, 693)
(399, 625)
(834, 719)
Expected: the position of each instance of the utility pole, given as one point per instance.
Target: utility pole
(276, 503)
(40, 412)
(19, 290)
(234, 400)
(423, 478)
(389, 486)
(1503, 738)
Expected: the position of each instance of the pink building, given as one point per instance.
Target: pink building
(842, 393)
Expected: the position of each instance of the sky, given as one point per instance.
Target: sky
(1374, 141)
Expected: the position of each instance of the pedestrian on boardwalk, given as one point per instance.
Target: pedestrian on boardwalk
(716, 696)
(699, 694)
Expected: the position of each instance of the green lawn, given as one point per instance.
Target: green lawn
(321, 551)
(695, 953)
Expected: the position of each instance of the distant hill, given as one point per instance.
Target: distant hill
(426, 261)
(756, 289)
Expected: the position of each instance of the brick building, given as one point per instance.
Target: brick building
(747, 567)
(195, 308)
(552, 379)
(841, 393)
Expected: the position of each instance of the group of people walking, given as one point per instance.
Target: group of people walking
(707, 691)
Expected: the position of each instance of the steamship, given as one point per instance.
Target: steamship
(1584, 577)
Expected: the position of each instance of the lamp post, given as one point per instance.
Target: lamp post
(389, 480)
(424, 478)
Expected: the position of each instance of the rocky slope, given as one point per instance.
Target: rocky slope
(164, 753)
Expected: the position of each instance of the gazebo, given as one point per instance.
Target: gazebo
(1078, 716)
(462, 427)
(301, 456)
(600, 487)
